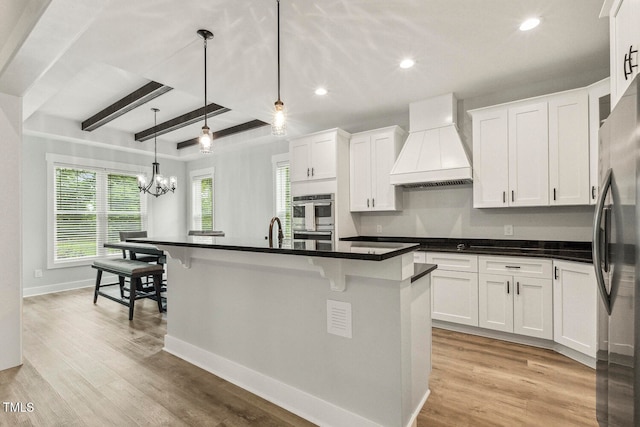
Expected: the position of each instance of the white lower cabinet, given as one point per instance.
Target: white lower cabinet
(454, 297)
(454, 288)
(575, 296)
(516, 295)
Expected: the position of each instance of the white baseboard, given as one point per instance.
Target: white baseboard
(413, 421)
(301, 403)
(58, 287)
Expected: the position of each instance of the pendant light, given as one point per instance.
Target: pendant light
(205, 139)
(158, 185)
(279, 125)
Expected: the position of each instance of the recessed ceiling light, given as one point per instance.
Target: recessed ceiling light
(321, 91)
(407, 63)
(529, 24)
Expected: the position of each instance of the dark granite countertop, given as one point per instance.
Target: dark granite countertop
(568, 251)
(360, 250)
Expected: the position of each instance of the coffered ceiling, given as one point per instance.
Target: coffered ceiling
(70, 59)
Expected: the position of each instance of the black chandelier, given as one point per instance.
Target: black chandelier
(158, 185)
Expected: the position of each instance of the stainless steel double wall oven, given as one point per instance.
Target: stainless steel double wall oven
(314, 222)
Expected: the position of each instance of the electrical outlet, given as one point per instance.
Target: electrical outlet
(378, 228)
(508, 230)
(37, 273)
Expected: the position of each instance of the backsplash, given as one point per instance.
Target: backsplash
(447, 212)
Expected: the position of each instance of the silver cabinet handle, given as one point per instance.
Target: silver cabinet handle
(593, 192)
(307, 171)
(518, 288)
(367, 202)
(555, 273)
(373, 203)
(312, 172)
(513, 196)
(504, 197)
(512, 266)
(597, 241)
(507, 287)
(554, 194)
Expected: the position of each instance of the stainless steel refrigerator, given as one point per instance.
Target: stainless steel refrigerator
(615, 259)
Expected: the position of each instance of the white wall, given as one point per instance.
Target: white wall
(10, 230)
(448, 212)
(243, 187)
(167, 215)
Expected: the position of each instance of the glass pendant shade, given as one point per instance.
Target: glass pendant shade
(279, 123)
(205, 141)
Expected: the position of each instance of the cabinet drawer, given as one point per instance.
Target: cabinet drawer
(453, 261)
(528, 267)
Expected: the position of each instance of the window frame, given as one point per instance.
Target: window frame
(56, 160)
(198, 173)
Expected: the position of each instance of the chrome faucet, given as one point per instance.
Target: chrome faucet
(280, 234)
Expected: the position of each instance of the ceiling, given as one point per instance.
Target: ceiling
(71, 59)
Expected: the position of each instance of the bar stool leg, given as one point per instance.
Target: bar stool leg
(98, 279)
(132, 294)
(157, 284)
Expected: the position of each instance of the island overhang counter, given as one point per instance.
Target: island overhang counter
(341, 338)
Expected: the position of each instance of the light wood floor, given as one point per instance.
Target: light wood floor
(87, 365)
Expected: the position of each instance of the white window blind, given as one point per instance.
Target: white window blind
(283, 196)
(91, 206)
(202, 202)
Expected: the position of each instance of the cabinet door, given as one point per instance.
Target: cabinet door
(495, 300)
(323, 156)
(383, 158)
(529, 155)
(300, 153)
(454, 297)
(490, 159)
(624, 38)
(575, 299)
(533, 307)
(360, 173)
(569, 149)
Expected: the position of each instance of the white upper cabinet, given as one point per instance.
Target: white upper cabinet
(490, 159)
(624, 40)
(371, 157)
(569, 149)
(313, 157)
(533, 152)
(528, 155)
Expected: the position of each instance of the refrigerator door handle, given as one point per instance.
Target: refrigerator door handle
(597, 241)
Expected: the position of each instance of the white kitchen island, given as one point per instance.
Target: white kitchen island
(341, 338)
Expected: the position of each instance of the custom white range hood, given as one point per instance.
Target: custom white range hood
(433, 154)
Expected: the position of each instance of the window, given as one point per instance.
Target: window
(282, 192)
(202, 199)
(91, 204)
